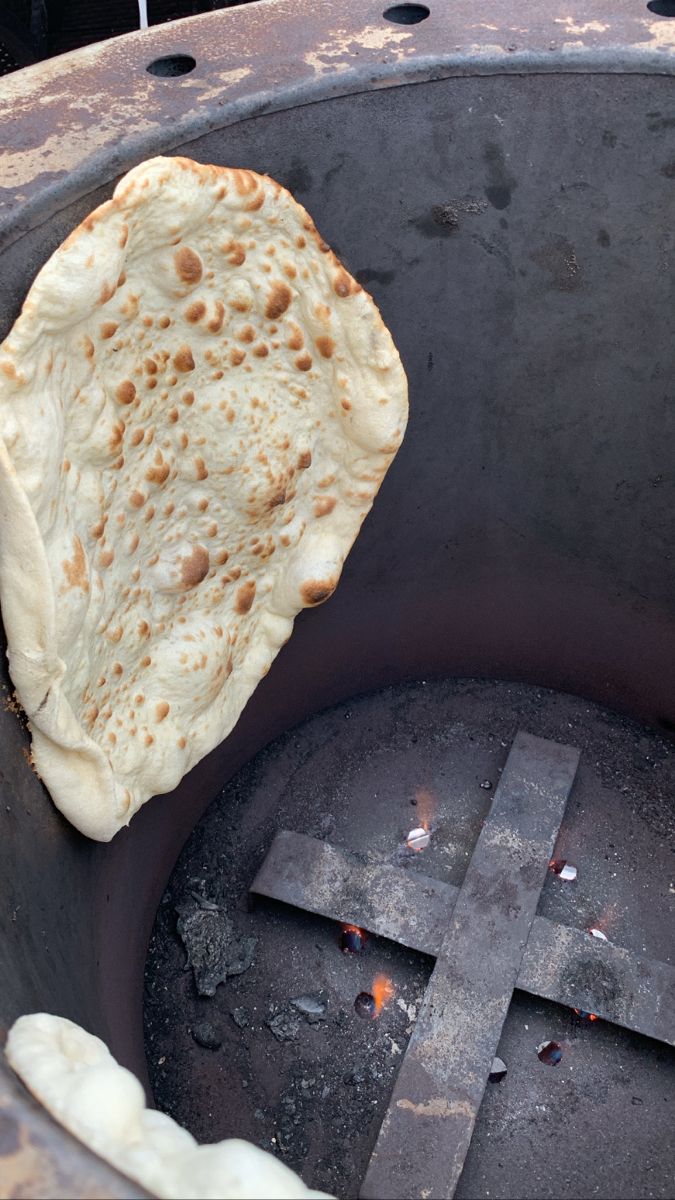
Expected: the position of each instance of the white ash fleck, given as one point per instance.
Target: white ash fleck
(410, 1010)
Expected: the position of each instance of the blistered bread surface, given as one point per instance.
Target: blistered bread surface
(197, 407)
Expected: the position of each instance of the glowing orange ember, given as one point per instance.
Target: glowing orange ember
(586, 1016)
(383, 990)
(426, 806)
(418, 839)
(352, 939)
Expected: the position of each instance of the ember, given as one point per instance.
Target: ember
(364, 1005)
(549, 1053)
(561, 867)
(597, 933)
(498, 1070)
(352, 939)
(418, 839)
(370, 1004)
(383, 990)
(585, 1016)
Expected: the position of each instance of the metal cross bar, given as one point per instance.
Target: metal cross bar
(560, 963)
(319, 878)
(428, 1125)
(427, 1129)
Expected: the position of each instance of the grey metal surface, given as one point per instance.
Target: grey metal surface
(630, 990)
(426, 1133)
(319, 878)
(559, 963)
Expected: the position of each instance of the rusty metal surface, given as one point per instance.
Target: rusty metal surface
(40, 1161)
(560, 963)
(425, 1135)
(89, 115)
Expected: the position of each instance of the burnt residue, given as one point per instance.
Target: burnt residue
(669, 169)
(370, 275)
(657, 122)
(445, 214)
(298, 178)
(213, 949)
(500, 182)
(558, 258)
(496, 891)
(444, 218)
(603, 239)
(431, 227)
(594, 979)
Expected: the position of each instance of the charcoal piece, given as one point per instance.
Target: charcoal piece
(285, 1026)
(241, 1017)
(550, 1053)
(352, 940)
(498, 1070)
(418, 839)
(312, 1007)
(563, 869)
(365, 1005)
(206, 1035)
(597, 933)
(212, 947)
(356, 1077)
(284, 1130)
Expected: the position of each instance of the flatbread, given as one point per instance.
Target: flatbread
(197, 407)
(78, 1081)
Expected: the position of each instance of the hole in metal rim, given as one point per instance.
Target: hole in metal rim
(662, 8)
(406, 14)
(172, 65)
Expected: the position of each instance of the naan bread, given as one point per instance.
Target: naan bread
(78, 1081)
(197, 407)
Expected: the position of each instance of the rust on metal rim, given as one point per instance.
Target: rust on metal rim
(90, 115)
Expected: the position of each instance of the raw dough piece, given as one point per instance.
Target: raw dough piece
(78, 1081)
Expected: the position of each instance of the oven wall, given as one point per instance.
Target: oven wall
(516, 232)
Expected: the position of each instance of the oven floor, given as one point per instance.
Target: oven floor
(598, 1124)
